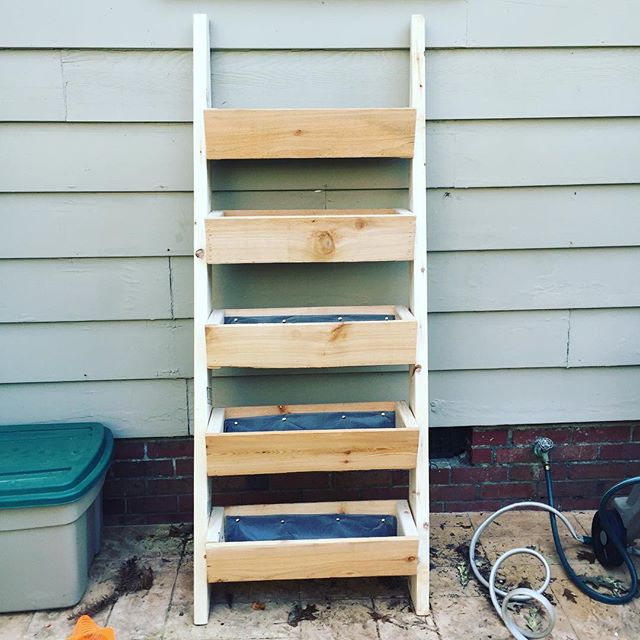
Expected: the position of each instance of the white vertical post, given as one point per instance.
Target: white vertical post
(419, 377)
(201, 311)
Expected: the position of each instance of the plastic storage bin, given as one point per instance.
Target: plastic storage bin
(51, 478)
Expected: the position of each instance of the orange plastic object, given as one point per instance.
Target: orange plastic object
(87, 629)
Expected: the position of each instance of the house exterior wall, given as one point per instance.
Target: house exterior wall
(533, 142)
(151, 480)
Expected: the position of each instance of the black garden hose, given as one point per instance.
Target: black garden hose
(608, 528)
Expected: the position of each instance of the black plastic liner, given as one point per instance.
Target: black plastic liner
(308, 527)
(353, 317)
(302, 421)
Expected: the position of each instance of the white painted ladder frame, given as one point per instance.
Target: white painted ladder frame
(201, 311)
(418, 381)
(419, 377)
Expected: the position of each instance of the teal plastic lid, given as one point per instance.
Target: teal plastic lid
(51, 464)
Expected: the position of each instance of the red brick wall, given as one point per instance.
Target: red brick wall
(150, 481)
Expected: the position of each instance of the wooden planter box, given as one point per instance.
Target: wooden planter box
(332, 235)
(259, 452)
(300, 559)
(336, 343)
(239, 134)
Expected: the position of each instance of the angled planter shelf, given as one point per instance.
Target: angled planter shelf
(313, 540)
(321, 437)
(331, 235)
(244, 134)
(308, 337)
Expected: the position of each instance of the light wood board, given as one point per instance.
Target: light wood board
(318, 344)
(370, 507)
(269, 410)
(295, 559)
(240, 134)
(325, 237)
(311, 450)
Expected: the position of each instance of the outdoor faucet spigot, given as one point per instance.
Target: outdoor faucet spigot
(541, 448)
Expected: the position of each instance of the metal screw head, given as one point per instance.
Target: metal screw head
(199, 253)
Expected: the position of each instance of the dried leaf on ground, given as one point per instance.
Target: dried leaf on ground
(533, 619)
(298, 614)
(463, 573)
(131, 578)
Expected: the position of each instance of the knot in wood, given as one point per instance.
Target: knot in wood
(324, 244)
(338, 333)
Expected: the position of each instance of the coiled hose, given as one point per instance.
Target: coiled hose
(521, 594)
(605, 520)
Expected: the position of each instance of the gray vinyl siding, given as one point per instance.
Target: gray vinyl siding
(533, 144)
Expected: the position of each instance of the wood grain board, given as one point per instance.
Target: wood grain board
(240, 134)
(231, 454)
(356, 507)
(304, 559)
(328, 236)
(269, 410)
(314, 449)
(331, 558)
(317, 344)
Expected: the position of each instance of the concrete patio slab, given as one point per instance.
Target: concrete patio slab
(349, 609)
